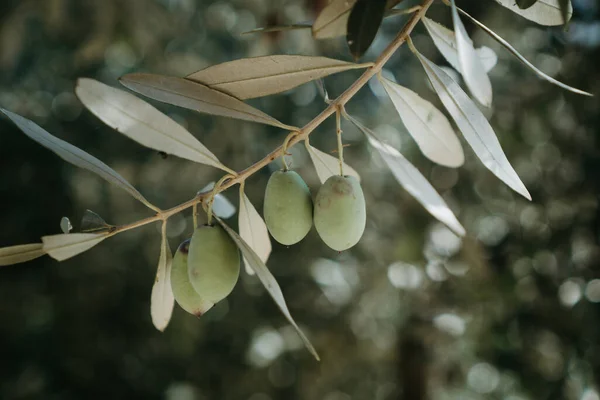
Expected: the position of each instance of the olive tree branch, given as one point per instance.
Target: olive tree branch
(303, 134)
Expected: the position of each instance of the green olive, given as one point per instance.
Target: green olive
(183, 291)
(288, 207)
(213, 263)
(340, 212)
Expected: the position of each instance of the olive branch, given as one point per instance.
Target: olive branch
(220, 90)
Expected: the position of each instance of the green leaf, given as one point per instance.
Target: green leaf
(162, 299)
(141, 122)
(544, 12)
(268, 281)
(92, 222)
(75, 155)
(195, 96)
(363, 23)
(327, 165)
(64, 246)
(253, 230)
(248, 78)
(20, 253)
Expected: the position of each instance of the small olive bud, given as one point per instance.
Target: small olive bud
(288, 207)
(184, 293)
(340, 212)
(213, 263)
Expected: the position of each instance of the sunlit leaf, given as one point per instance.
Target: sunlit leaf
(162, 300)
(510, 48)
(74, 155)
(445, 41)
(327, 165)
(65, 225)
(412, 180)
(268, 281)
(471, 67)
(141, 122)
(222, 207)
(66, 245)
(333, 19)
(92, 222)
(427, 125)
(195, 96)
(473, 125)
(363, 23)
(20, 253)
(544, 12)
(261, 76)
(253, 230)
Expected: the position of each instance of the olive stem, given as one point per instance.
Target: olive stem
(338, 125)
(300, 135)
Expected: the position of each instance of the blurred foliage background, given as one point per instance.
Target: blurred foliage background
(412, 312)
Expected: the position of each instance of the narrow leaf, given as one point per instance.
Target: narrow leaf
(21, 253)
(544, 12)
(412, 180)
(427, 125)
(195, 96)
(162, 300)
(363, 23)
(261, 76)
(333, 19)
(92, 222)
(253, 230)
(268, 281)
(326, 165)
(74, 155)
(514, 52)
(473, 125)
(66, 245)
(525, 4)
(471, 68)
(445, 41)
(141, 122)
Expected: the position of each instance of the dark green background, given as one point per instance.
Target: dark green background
(519, 284)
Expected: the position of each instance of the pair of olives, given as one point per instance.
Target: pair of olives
(339, 211)
(205, 269)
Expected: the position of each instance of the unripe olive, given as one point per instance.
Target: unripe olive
(340, 212)
(288, 207)
(213, 263)
(183, 290)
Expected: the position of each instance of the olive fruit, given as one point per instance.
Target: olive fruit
(213, 263)
(183, 291)
(340, 212)
(288, 207)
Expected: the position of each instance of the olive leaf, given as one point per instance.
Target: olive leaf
(445, 41)
(141, 122)
(333, 19)
(253, 230)
(363, 23)
(66, 245)
(544, 12)
(162, 300)
(92, 222)
(471, 67)
(278, 28)
(411, 179)
(65, 225)
(261, 76)
(427, 125)
(195, 96)
(327, 165)
(474, 126)
(75, 155)
(514, 52)
(20, 253)
(268, 281)
(525, 4)
(221, 207)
